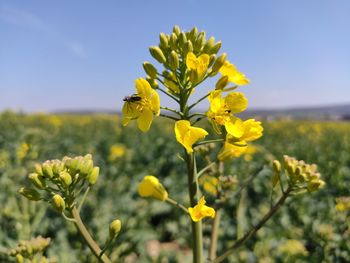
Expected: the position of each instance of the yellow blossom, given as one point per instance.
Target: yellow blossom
(188, 135)
(230, 150)
(233, 74)
(197, 65)
(201, 210)
(343, 203)
(247, 131)
(209, 183)
(151, 187)
(171, 84)
(116, 151)
(144, 108)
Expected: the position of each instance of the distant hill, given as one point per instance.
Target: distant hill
(333, 112)
(321, 112)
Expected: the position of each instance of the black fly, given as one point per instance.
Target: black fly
(132, 98)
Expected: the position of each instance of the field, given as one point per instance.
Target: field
(307, 229)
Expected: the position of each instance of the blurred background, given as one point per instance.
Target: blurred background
(65, 68)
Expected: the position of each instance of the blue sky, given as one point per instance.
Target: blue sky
(57, 55)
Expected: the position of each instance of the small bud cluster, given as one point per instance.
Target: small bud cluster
(55, 180)
(173, 50)
(31, 251)
(301, 176)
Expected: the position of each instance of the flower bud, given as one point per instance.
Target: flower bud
(163, 41)
(153, 83)
(211, 60)
(276, 166)
(173, 41)
(72, 165)
(208, 46)
(114, 228)
(315, 185)
(38, 169)
(193, 34)
(58, 203)
(47, 169)
(151, 187)
(150, 70)
(37, 180)
(30, 194)
(86, 167)
(173, 60)
(57, 167)
(182, 39)
(200, 41)
(19, 258)
(157, 54)
(219, 62)
(188, 47)
(66, 178)
(177, 30)
(215, 49)
(94, 174)
(222, 83)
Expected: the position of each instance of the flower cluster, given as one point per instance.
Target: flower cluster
(301, 176)
(56, 181)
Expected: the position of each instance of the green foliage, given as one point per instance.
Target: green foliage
(306, 229)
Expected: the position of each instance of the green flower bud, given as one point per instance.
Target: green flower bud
(47, 169)
(66, 178)
(37, 180)
(211, 60)
(93, 176)
(209, 45)
(188, 47)
(182, 39)
(157, 54)
(215, 49)
(19, 258)
(173, 41)
(219, 62)
(57, 167)
(173, 60)
(153, 83)
(193, 34)
(150, 70)
(58, 203)
(276, 166)
(163, 41)
(72, 165)
(114, 228)
(38, 169)
(177, 30)
(315, 185)
(30, 194)
(222, 83)
(86, 167)
(200, 41)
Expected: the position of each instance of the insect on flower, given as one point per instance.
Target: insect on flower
(132, 98)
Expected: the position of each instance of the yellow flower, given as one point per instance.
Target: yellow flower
(221, 108)
(171, 84)
(201, 210)
(116, 151)
(144, 108)
(247, 131)
(229, 150)
(209, 183)
(151, 187)
(233, 74)
(188, 135)
(197, 65)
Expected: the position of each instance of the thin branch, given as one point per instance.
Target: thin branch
(173, 202)
(172, 110)
(208, 141)
(169, 117)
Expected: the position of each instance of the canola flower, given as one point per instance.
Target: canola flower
(151, 187)
(233, 74)
(144, 108)
(197, 65)
(200, 211)
(187, 135)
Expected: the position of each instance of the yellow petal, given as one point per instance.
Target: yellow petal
(233, 74)
(191, 61)
(143, 88)
(235, 127)
(155, 102)
(145, 120)
(236, 102)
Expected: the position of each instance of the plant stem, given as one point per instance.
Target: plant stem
(214, 235)
(197, 239)
(173, 202)
(198, 101)
(254, 229)
(87, 237)
(208, 141)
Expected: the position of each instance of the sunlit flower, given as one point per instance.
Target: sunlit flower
(233, 74)
(116, 151)
(229, 150)
(188, 135)
(200, 211)
(247, 131)
(209, 184)
(151, 187)
(198, 65)
(144, 108)
(343, 203)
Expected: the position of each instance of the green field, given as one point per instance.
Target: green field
(307, 228)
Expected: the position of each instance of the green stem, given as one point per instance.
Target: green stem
(171, 110)
(83, 199)
(169, 117)
(87, 237)
(198, 101)
(197, 239)
(208, 141)
(173, 202)
(214, 235)
(254, 229)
